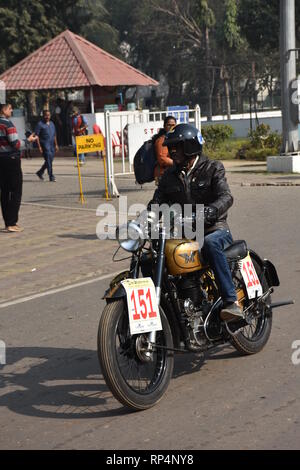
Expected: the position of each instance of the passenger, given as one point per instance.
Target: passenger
(162, 153)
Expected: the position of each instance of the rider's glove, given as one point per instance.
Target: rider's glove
(210, 215)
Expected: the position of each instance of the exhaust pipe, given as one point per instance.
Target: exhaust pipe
(281, 304)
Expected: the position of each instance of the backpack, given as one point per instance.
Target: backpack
(144, 163)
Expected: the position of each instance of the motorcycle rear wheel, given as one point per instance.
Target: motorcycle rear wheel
(135, 383)
(253, 338)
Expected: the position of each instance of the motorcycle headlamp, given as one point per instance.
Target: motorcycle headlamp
(130, 236)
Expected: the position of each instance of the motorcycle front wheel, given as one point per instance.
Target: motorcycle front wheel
(137, 379)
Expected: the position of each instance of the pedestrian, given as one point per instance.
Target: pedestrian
(11, 178)
(97, 131)
(162, 154)
(47, 143)
(79, 128)
(57, 119)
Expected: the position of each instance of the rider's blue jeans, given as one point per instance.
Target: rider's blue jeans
(213, 249)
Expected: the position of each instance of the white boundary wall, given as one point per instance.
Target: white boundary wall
(241, 122)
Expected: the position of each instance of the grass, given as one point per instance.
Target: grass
(227, 150)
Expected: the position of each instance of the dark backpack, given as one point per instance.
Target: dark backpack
(144, 163)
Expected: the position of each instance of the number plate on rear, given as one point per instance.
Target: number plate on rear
(250, 277)
(142, 304)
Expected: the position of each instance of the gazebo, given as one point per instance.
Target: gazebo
(71, 62)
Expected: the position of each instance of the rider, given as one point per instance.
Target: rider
(194, 179)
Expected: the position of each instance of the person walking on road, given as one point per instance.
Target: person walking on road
(79, 128)
(11, 178)
(47, 143)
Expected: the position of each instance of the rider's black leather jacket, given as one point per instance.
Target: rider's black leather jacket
(204, 184)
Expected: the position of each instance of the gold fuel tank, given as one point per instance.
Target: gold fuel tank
(182, 257)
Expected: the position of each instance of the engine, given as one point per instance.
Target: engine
(189, 287)
(194, 307)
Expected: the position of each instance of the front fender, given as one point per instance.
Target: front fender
(116, 290)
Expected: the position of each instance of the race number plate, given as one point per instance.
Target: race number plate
(250, 277)
(143, 310)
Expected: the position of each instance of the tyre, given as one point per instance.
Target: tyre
(254, 337)
(134, 380)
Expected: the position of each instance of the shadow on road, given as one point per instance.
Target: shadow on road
(56, 383)
(66, 383)
(79, 236)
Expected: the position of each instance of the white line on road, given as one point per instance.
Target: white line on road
(58, 290)
(53, 206)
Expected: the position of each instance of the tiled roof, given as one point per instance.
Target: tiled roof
(69, 61)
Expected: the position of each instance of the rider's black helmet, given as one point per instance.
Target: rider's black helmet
(189, 135)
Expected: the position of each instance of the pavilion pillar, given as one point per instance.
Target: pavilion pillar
(92, 100)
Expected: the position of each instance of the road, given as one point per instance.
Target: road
(52, 394)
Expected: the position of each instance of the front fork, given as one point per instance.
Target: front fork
(159, 276)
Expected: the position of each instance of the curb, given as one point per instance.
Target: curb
(270, 184)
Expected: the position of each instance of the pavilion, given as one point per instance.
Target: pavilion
(71, 62)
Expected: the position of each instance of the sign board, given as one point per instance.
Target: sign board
(252, 282)
(142, 304)
(90, 143)
(140, 133)
(180, 113)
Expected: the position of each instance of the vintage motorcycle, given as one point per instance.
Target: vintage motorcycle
(137, 361)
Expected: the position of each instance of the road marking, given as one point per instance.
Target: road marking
(58, 290)
(100, 175)
(53, 206)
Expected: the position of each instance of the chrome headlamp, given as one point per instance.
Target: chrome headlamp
(130, 236)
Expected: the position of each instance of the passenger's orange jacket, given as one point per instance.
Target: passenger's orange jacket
(163, 158)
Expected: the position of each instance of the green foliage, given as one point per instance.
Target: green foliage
(260, 154)
(231, 27)
(260, 23)
(225, 151)
(263, 138)
(25, 25)
(262, 143)
(204, 15)
(216, 134)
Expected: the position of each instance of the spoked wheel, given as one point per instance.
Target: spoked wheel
(136, 377)
(253, 337)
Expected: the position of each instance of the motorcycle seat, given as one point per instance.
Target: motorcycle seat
(237, 250)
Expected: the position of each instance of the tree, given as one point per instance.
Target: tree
(198, 21)
(25, 25)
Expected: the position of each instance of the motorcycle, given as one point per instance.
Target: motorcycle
(168, 302)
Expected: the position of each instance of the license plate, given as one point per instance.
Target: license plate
(143, 309)
(250, 277)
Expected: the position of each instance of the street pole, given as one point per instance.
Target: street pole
(288, 75)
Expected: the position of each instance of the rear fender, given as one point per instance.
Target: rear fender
(268, 268)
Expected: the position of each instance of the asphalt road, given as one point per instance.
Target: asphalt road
(52, 394)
